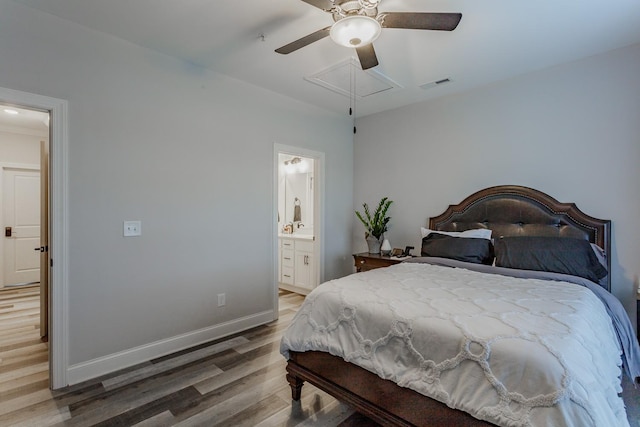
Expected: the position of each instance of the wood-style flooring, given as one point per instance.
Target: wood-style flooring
(236, 381)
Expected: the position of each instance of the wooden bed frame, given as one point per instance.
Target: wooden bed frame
(508, 211)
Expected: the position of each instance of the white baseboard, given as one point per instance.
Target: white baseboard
(113, 362)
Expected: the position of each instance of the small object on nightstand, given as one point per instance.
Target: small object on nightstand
(397, 252)
(385, 249)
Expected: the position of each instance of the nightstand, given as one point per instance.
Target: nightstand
(365, 261)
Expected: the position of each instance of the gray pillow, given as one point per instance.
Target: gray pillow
(554, 254)
(467, 249)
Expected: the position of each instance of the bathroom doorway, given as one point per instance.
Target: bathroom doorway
(298, 222)
(295, 195)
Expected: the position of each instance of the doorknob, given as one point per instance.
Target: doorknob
(41, 249)
(7, 232)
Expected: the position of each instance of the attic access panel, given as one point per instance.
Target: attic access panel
(338, 78)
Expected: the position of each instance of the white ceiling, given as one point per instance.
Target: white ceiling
(495, 40)
(15, 119)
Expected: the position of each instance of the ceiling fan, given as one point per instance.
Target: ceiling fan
(357, 23)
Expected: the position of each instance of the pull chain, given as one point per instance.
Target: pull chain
(350, 89)
(352, 95)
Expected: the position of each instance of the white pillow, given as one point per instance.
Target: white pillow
(478, 233)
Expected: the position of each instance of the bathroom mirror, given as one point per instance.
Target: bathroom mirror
(295, 192)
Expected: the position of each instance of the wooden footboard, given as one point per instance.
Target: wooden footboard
(381, 400)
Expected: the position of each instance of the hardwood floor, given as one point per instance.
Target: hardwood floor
(235, 381)
(24, 366)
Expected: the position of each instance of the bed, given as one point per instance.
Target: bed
(479, 394)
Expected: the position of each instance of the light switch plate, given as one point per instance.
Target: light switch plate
(132, 228)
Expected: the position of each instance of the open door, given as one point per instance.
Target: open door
(44, 240)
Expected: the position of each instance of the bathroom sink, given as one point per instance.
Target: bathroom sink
(297, 235)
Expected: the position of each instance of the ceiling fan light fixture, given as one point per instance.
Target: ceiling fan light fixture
(355, 31)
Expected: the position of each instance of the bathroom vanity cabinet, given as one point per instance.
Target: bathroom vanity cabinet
(297, 264)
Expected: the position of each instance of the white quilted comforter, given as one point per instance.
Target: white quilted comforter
(514, 352)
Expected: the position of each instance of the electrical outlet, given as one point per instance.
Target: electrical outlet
(222, 300)
(132, 228)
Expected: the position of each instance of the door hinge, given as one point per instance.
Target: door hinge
(51, 262)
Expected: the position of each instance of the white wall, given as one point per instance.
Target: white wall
(20, 147)
(572, 131)
(189, 153)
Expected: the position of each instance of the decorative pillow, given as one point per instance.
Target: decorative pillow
(554, 254)
(468, 249)
(478, 233)
(600, 254)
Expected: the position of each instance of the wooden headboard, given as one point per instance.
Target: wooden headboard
(511, 210)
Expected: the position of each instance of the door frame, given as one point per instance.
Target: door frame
(318, 210)
(58, 225)
(4, 166)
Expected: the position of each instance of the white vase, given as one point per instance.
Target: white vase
(386, 247)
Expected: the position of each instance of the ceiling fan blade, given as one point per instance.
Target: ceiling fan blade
(420, 20)
(367, 56)
(325, 5)
(304, 41)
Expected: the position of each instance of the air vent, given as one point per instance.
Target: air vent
(435, 83)
(337, 78)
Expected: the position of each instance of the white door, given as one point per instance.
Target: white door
(302, 274)
(44, 240)
(21, 206)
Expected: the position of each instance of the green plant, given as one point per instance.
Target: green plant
(377, 224)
